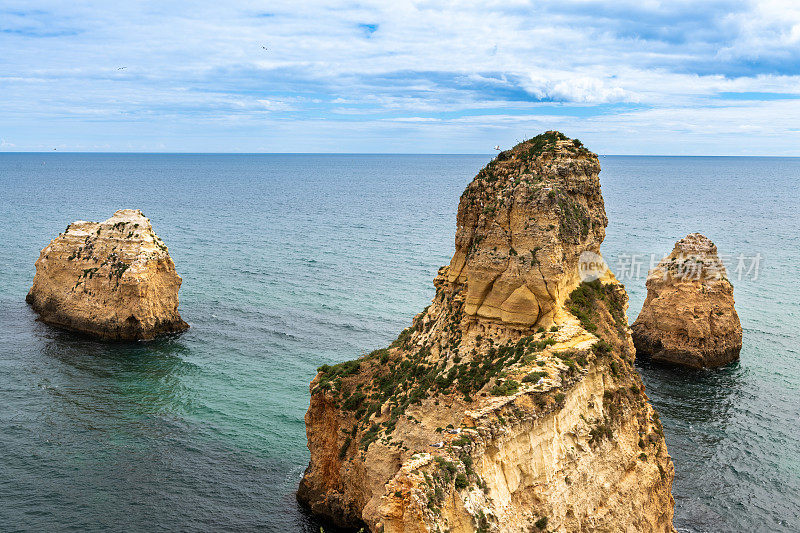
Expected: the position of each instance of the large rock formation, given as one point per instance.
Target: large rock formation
(688, 317)
(511, 403)
(522, 225)
(113, 280)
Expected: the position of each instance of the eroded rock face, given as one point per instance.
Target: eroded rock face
(522, 224)
(113, 280)
(688, 317)
(511, 403)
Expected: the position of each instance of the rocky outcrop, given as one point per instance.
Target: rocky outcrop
(511, 403)
(521, 227)
(688, 316)
(113, 280)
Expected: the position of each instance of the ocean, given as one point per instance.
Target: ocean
(293, 261)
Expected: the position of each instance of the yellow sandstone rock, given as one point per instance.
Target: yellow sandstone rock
(113, 280)
(688, 317)
(511, 404)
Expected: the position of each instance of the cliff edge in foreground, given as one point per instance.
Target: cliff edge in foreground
(113, 280)
(688, 316)
(511, 403)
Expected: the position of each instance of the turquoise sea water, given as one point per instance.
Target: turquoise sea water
(289, 262)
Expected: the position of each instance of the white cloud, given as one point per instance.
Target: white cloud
(431, 65)
(769, 27)
(275, 105)
(577, 89)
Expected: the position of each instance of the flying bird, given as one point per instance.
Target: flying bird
(497, 147)
(121, 68)
(265, 48)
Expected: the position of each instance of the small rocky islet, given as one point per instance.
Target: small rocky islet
(511, 403)
(112, 280)
(688, 317)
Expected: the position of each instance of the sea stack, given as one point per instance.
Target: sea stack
(112, 280)
(511, 403)
(688, 316)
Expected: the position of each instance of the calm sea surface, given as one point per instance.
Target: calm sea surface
(289, 262)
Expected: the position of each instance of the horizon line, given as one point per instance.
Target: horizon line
(368, 153)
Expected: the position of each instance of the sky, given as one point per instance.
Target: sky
(700, 77)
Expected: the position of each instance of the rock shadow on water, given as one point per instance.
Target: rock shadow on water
(308, 522)
(695, 395)
(698, 408)
(123, 381)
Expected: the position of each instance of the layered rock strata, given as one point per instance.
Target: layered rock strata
(112, 280)
(511, 403)
(688, 317)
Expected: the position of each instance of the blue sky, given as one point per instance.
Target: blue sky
(716, 77)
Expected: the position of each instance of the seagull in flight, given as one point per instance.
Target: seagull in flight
(265, 48)
(121, 68)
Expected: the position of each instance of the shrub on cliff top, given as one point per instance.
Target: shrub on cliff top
(446, 469)
(538, 346)
(601, 348)
(347, 368)
(463, 440)
(583, 304)
(352, 403)
(543, 142)
(336, 372)
(533, 377)
(505, 388)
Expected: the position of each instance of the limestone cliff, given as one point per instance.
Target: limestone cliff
(511, 403)
(688, 317)
(522, 224)
(113, 280)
